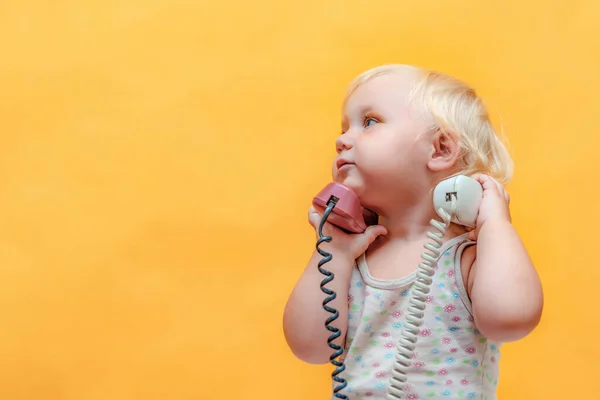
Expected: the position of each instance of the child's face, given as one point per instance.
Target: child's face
(386, 140)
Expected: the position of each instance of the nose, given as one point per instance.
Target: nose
(344, 142)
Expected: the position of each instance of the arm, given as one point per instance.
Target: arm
(304, 317)
(503, 285)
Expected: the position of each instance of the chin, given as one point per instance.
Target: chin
(352, 185)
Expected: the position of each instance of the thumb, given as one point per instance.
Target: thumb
(372, 232)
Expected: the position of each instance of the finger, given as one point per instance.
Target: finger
(489, 184)
(483, 180)
(314, 218)
(372, 232)
(502, 190)
(479, 177)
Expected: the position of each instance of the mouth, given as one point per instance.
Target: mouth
(341, 162)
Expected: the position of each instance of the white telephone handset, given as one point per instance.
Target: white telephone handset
(467, 193)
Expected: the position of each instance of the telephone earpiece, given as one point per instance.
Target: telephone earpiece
(467, 194)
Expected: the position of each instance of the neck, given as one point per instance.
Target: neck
(406, 223)
(412, 222)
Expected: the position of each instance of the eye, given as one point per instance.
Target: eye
(369, 121)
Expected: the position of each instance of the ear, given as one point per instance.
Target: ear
(445, 149)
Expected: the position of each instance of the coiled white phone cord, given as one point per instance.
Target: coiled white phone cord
(417, 304)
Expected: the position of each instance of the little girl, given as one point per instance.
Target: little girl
(404, 130)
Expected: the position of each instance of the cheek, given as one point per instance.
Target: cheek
(389, 165)
(383, 155)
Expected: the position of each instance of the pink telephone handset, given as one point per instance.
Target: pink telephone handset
(347, 214)
(455, 199)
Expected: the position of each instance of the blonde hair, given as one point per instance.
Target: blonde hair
(457, 111)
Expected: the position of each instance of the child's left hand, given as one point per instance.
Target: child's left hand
(494, 204)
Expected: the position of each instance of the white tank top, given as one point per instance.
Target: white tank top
(452, 359)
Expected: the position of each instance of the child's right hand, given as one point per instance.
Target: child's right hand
(351, 245)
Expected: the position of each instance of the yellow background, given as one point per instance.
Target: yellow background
(157, 160)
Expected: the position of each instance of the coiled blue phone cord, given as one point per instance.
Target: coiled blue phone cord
(331, 295)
